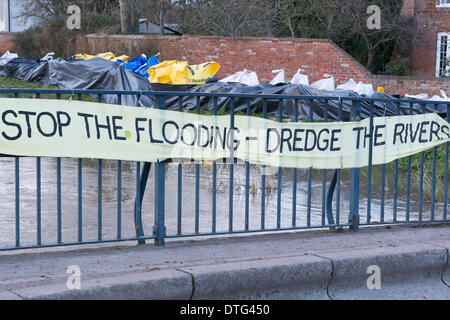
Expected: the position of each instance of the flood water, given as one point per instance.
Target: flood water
(28, 204)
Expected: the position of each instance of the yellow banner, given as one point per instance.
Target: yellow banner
(76, 129)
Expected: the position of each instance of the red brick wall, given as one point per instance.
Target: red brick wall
(6, 42)
(260, 55)
(431, 21)
(411, 85)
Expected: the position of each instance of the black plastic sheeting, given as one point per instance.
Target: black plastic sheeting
(26, 70)
(100, 74)
(319, 106)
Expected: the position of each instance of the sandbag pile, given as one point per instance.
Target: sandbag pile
(108, 72)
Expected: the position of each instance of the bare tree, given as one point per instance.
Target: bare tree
(46, 10)
(129, 18)
(345, 22)
(158, 11)
(394, 27)
(312, 18)
(233, 18)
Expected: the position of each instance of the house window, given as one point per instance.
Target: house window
(443, 3)
(443, 55)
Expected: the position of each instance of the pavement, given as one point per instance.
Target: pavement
(374, 263)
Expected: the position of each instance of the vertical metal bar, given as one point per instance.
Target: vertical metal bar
(280, 119)
(214, 184)
(38, 198)
(338, 174)
(159, 229)
(80, 200)
(119, 199)
(324, 175)
(99, 197)
(17, 194)
(80, 194)
(369, 187)
(383, 191)
(247, 182)
(395, 209)
(197, 185)
(59, 206)
(444, 215)
(353, 218)
(408, 182)
(180, 183)
(433, 184)
(230, 199)
(294, 182)
(58, 193)
(17, 202)
(138, 209)
(263, 180)
(38, 201)
(310, 172)
(422, 162)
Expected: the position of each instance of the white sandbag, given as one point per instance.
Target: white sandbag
(48, 56)
(349, 85)
(326, 84)
(280, 78)
(246, 77)
(438, 98)
(420, 96)
(363, 88)
(360, 87)
(7, 57)
(300, 78)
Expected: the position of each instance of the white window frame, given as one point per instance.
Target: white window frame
(440, 4)
(438, 52)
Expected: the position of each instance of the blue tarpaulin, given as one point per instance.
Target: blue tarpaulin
(140, 65)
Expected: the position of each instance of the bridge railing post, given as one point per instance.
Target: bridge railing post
(159, 229)
(353, 218)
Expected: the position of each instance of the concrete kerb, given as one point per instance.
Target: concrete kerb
(152, 285)
(446, 272)
(299, 277)
(406, 272)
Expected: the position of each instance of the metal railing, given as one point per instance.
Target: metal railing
(411, 190)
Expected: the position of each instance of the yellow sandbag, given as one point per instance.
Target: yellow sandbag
(199, 74)
(124, 58)
(106, 55)
(179, 72)
(178, 75)
(161, 73)
(84, 56)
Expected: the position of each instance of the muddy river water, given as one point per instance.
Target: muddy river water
(109, 199)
